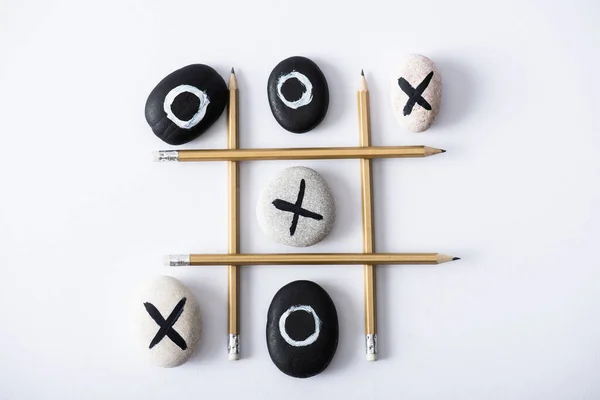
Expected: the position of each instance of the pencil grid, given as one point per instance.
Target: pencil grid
(233, 236)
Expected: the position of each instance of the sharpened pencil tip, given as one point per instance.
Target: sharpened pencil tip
(232, 70)
(362, 72)
(443, 151)
(455, 258)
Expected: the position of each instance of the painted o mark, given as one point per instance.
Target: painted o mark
(309, 340)
(306, 96)
(170, 97)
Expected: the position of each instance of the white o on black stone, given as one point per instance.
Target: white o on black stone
(306, 97)
(302, 329)
(204, 101)
(309, 340)
(185, 103)
(298, 94)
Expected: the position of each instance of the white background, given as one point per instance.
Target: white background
(85, 215)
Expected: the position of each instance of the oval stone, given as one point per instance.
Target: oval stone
(296, 208)
(302, 329)
(186, 103)
(298, 94)
(165, 321)
(416, 92)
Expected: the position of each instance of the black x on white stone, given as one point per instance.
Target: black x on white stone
(296, 208)
(166, 325)
(416, 107)
(415, 95)
(169, 339)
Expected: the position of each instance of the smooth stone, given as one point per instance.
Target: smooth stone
(416, 92)
(165, 321)
(302, 329)
(296, 189)
(298, 94)
(186, 103)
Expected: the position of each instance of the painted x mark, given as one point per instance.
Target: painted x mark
(166, 325)
(415, 94)
(296, 208)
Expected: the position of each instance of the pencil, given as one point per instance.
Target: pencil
(366, 175)
(314, 153)
(179, 260)
(233, 271)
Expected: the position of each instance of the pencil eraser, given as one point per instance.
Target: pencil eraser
(371, 357)
(233, 357)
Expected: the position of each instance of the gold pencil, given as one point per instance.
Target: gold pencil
(179, 260)
(233, 271)
(364, 130)
(314, 153)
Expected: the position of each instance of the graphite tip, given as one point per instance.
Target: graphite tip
(443, 151)
(232, 70)
(455, 258)
(362, 72)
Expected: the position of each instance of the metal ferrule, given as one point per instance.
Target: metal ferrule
(233, 345)
(371, 344)
(179, 260)
(167, 155)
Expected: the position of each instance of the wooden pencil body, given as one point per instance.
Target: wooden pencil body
(314, 259)
(233, 271)
(315, 153)
(370, 294)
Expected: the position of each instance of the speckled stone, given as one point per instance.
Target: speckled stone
(298, 94)
(165, 321)
(302, 329)
(296, 208)
(186, 103)
(416, 92)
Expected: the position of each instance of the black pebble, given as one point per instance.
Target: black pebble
(304, 117)
(311, 359)
(185, 105)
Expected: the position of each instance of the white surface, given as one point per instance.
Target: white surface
(85, 214)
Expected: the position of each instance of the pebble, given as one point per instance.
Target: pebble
(416, 92)
(296, 208)
(302, 329)
(298, 94)
(165, 321)
(186, 103)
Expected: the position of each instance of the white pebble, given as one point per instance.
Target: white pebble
(156, 303)
(279, 199)
(416, 92)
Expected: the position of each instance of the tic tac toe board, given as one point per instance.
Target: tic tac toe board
(287, 213)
